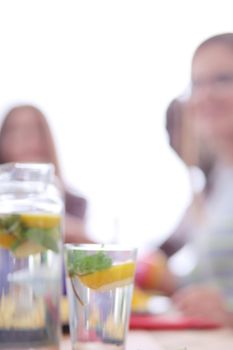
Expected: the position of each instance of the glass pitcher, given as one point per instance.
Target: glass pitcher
(31, 209)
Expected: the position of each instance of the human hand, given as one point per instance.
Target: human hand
(203, 302)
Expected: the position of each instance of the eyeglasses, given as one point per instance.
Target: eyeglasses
(220, 83)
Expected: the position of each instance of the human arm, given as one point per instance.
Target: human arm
(75, 210)
(75, 205)
(75, 231)
(204, 302)
(190, 220)
(153, 270)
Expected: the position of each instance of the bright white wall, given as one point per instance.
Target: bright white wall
(104, 73)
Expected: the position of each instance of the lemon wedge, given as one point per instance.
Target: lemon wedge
(40, 220)
(6, 240)
(28, 248)
(115, 276)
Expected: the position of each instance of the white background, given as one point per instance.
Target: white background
(104, 72)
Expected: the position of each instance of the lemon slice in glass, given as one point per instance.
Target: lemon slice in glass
(6, 240)
(40, 220)
(115, 276)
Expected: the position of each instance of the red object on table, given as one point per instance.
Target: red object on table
(150, 270)
(152, 322)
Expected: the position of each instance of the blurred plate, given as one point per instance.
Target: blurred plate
(169, 322)
(157, 312)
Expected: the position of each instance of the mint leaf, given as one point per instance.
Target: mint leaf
(73, 261)
(79, 263)
(16, 244)
(45, 237)
(10, 223)
(42, 237)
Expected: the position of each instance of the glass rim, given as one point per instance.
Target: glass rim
(27, 165)
(100, 247)
(27, 172)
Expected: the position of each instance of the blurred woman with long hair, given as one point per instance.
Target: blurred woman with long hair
(25, 136)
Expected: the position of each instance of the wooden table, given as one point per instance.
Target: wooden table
(221, 339)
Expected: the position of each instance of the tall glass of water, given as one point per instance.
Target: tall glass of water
(100, 282)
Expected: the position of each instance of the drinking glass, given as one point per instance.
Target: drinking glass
(30, 257)
(100, 283)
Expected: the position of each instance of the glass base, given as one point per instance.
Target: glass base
(97, 346)
(26, 339)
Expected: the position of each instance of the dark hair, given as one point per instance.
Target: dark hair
(173, 124)
(184, 140)
(47, 135)
(225, 39)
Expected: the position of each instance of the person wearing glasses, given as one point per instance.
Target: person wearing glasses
(207, 291)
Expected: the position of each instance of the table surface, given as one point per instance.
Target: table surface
(174, 340)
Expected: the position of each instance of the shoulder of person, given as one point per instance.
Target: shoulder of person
(75, 203)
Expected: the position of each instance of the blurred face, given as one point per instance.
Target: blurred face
(212, 93)
(23, 138)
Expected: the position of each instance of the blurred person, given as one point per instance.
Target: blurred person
(184, 138)
(200, 160)
(25, 136)
(207, 291)
(153, 271)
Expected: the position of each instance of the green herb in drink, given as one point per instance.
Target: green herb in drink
(79, 263)
(23, 239)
